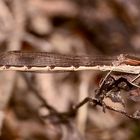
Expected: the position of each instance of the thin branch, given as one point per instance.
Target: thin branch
(65, 116)
(52, 62)
(36, 93)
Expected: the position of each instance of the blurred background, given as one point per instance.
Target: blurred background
(68, 27)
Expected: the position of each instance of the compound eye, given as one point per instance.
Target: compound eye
(123, 85)
(110, 80)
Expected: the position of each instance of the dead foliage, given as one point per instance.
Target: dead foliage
(52, 106)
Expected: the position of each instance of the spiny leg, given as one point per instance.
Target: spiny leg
(107, 75)
(132, 82)
(100, 95)
(137, 77)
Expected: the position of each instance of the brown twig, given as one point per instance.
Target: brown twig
(52, 62)
(98, 100)
(36, 93)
